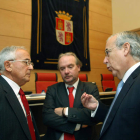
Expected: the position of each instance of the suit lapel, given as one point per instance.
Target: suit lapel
(13, 101)
(79, 92)
(62, 95)
(120, 97)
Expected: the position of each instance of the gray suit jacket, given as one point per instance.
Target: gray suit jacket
(13, 123)
(57, 96)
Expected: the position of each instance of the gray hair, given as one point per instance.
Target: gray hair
(132, 38)
(8, 53)
(78, 62)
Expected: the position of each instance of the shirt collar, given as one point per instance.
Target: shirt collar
(74, 85)
(129, 71)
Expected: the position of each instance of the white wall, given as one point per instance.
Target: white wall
(125, 15)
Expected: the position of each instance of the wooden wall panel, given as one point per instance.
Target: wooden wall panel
(27, 24)
(20, 6)
(101, 23)
(90, 20)
(9, 41)
(15, 29)
(97, 40)
(96, 59)
(15, 24)
(101, 7)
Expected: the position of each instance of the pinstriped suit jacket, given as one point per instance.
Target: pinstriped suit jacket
(13, 123)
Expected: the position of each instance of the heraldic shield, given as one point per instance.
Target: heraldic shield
(64, 31)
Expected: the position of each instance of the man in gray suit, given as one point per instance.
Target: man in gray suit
(15, 123)
(58, 116)
(122, 121)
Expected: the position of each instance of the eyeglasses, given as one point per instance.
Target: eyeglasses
(27, 62)
(108, 50)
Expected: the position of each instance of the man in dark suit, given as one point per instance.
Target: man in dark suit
(15, 66)
(61, 119)
(122, 119)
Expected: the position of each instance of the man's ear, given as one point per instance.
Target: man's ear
(7, 66)
(126, 47)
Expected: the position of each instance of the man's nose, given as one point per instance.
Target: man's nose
(31, 67)
(66, 70)
(105, 61)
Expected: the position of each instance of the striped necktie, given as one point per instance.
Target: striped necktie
(120, 85)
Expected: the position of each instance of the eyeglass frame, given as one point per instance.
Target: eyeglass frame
(108, 50)
(28, 62)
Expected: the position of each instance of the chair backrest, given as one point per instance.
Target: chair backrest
(83, 77)
(43, 80)
(107, 81)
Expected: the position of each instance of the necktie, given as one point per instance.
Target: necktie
(120, 85)
(68, 136)
(29, 120)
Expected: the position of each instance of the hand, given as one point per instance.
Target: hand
(89, 101)
(58, 111)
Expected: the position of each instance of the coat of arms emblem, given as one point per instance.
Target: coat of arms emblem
(64, 28)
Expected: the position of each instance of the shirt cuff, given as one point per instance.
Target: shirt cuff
(94, 112)
(77, 127)
(66, 112)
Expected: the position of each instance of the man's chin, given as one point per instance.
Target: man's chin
(68, 81)
(114, 73)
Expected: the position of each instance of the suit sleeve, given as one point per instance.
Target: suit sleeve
(51, 119)
(82, 115)
(101, 112)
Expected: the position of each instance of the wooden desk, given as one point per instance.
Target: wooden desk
(40, 97)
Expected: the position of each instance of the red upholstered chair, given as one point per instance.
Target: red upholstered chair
(43, 80)
(83, 77)
(108, 82)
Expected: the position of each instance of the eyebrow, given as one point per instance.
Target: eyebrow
(26, 59)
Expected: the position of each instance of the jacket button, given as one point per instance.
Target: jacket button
(74, 116)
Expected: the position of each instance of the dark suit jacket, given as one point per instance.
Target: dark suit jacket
(124, 120)
(57, 96)
(13, 123)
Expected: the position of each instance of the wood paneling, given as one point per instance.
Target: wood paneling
(97, 40)
(96, 59)
(20, 6)
(27, 27)
(102, 7)
(15, 29)
(100, 23)
(15, 24)
(9, 41)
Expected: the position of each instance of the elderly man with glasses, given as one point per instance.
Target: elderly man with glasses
(121, 121)
(16, 120)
